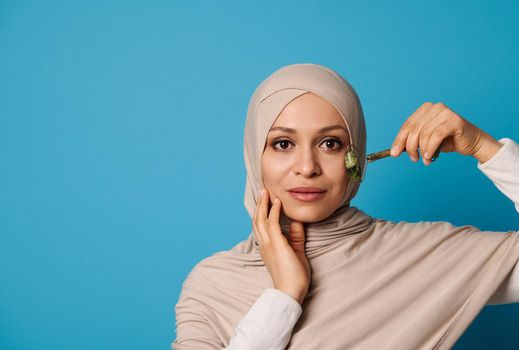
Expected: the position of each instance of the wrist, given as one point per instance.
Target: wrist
(487, 148)
(296, 295)
(301, 298)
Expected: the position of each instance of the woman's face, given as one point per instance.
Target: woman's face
(299, 154)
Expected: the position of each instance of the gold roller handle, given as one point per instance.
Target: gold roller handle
(386, 153)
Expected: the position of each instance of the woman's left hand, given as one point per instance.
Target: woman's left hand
(435, 127)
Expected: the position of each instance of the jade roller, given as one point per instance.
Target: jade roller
(353, 167)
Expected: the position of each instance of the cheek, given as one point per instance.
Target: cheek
(338, 178)
(270, 174)
(273, 168)
(336, 170)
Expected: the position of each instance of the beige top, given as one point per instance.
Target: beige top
(375, 283)
(269, 322)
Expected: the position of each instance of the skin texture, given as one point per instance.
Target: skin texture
(436, 125)
(307, 158)
(284, 257)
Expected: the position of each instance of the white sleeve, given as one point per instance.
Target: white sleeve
(268, 324)
(503, 170)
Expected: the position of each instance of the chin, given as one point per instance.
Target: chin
(305, 214)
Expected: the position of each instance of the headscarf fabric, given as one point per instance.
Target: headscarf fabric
(376, 284)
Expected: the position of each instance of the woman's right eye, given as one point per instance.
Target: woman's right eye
(283, 144)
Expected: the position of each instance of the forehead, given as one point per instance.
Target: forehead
(309, 112)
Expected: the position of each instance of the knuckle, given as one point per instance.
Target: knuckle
(439, 132)
(426, 131)
(398, 139)
(410, 124)
(435, 135)
(457, 120)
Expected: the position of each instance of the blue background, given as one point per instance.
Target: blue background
(121, 144)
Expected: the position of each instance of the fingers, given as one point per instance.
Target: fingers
(274, 212)
(440, 133)
(427, 131)
(287, 265)
(266, 224)
(257, 221)
(262, 205)
(413, 139)
(409, 125)
(419, 128)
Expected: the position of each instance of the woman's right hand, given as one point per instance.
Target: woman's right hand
(285, 259)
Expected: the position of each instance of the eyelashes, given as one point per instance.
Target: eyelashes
(285, 141)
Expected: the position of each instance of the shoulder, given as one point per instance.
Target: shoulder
(423, 227)
(423, 233)
(197, 287)
(204, 270)
(436, 233)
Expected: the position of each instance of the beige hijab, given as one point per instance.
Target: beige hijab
(376, 284)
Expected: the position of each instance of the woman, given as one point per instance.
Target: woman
(316, 273)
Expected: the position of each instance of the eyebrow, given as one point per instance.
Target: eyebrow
(325, 129)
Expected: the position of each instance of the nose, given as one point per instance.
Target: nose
(307, 163)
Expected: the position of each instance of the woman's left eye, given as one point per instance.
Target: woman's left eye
(332, 141)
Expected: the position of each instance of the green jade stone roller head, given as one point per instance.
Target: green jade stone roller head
(353, 166)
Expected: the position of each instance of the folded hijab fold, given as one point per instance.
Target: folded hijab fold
(376, 284)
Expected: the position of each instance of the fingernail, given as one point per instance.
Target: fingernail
(262, 192)
(426, 155)
(393, 151)
(413, 158)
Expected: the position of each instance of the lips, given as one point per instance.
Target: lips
(307, 194)
(307, 190)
